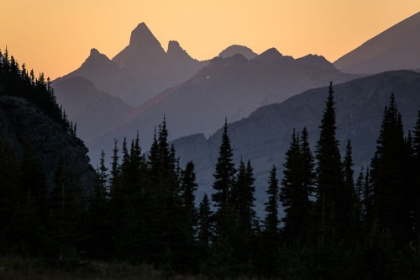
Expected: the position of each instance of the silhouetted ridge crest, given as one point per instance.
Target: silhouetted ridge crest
(316, 61)
(176, 52)
(142, 38)
(269, 55)
(98, 60)
(237, 49)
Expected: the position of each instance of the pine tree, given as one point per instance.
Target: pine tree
(205, 229)
(390, 176)
(331, 215)
(224, 180)
(188, 187)
(271, 222)
(293, 194)
(225, 171)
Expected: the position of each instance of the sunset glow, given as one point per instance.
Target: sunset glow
(56, 36)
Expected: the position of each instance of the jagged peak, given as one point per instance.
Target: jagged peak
(97, 60)
(142, 37)
(176, 52)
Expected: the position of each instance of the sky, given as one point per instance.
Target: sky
(55, 36)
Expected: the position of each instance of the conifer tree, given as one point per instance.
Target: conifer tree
(293, 194)
(331, 215)
(188, 187)
(224, 180)
(205, 231)
(271, 222)
(225, 171)
(390, 176)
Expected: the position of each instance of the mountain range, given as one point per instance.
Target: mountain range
(396, 48)
(231, 87)
(140, 70)
(196, 96)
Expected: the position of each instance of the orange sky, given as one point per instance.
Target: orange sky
(55, 36)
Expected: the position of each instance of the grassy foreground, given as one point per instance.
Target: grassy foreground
(17, 268)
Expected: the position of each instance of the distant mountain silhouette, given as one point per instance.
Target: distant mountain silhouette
(396, 48)
(237, 49)
(93, 111)
(232, 87)
(140, 71)
(265, 135)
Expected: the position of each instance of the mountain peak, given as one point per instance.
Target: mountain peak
(94, 52)
(235, 49)
(98, 60)
(175, 51)
(316, 61)
(142, 37)
(269, 55)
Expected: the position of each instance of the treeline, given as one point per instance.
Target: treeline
(18, 82)
(143, 210)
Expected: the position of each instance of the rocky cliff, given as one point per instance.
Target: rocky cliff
(22, 122)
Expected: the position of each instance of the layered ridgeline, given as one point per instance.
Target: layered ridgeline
(229, 87)
(32, 123)
(93, 110)
(265, 135)
(140, 71)
(396, 48)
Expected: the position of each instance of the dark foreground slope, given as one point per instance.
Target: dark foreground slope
(24, 124)
(265, 135)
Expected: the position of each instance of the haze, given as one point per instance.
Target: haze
(56, 36)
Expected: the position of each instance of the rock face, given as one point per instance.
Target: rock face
(141, 70)
(265, 135)
(237, 49)
(230, 87)
(93, 111)
(396, 48)
(21, 122)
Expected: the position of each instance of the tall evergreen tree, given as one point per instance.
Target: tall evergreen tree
(205, 231)
(331, 215)
(188, 187)
(271, 221)
(293, 194)
(224, 180)
(390, 176)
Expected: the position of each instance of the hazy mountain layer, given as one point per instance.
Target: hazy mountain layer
(396, 48)
(232, 87)
(93, 111)
(140, 71)
(265, 135)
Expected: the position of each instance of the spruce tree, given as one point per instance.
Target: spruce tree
(188, 187)
(224, 180)
(390, 176)
(331, 215)
(205, 228)
(293, 194)
(271, 221)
